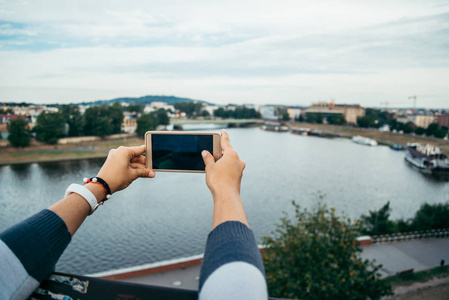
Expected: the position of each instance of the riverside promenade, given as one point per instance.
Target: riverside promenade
(395, 257)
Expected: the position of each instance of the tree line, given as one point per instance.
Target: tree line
(428, 217)
(100, 121)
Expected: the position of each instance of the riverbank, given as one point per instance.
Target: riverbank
(39, 152)
(383, 138)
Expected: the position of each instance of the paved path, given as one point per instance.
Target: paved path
(395, 257)
(416, 254)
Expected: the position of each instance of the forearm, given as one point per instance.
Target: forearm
(228, 207)
(74, 209)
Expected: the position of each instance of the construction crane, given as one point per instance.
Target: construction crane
(414, 102)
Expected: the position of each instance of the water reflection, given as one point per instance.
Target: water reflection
(433, 179)
(20, 171)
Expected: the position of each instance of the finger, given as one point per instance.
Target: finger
(139, 159)
(135, 151)
(207, 157)
(225, 142)
(140, 171)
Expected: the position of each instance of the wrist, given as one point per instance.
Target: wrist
(225, 195)
(97, 190)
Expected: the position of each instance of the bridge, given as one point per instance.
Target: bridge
(228, 122)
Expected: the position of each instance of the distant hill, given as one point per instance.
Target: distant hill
(145, 100)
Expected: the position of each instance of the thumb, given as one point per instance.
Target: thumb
(207, 157)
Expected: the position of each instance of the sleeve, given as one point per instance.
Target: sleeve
(232, 266)
(29, 252)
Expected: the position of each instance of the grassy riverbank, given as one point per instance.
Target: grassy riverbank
(430, 284)
(386, 138)
(39, 152)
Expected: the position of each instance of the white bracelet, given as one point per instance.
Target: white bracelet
(85, 193)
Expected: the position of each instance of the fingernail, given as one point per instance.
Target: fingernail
(204, 153)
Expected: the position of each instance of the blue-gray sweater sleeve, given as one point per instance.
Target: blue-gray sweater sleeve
(38, 242)
(230, 241)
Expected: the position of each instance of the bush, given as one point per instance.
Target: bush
(315, 256)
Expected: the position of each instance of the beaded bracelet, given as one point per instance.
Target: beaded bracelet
(100, 181)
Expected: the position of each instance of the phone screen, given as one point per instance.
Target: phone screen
(180, 152)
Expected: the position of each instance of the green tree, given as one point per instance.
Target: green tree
(19, 135)
(190, 108)
(336, 120)
(222, 113)
(364, 122)
(420, 131)
(73, 117)
(431, 129)
(315, 256)
(50, 127)
(145, 123)
(205, 113)
(138, 108)
(103, 120)
(441, 132)
(115, 112)
(284, 115)
(162, 117)
(431, 216)
(378, 222)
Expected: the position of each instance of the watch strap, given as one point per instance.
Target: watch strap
(85, 193)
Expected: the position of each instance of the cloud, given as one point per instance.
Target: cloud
(225, 51)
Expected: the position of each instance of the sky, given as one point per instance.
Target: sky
(372, 53)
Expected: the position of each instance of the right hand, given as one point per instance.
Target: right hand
(223, 177)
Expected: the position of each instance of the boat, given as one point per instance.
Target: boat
(397, 147)
(274, 126)
(364, 140)
(427, 158)
(300, 131)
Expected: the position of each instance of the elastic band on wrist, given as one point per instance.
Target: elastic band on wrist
(100, 181)
(85, 193)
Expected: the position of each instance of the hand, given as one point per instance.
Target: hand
(224, 176)
(123, 166)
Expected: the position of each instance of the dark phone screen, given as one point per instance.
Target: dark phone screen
(180, 152)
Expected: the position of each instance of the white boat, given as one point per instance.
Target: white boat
(364, 140)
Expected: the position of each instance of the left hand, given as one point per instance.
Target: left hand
(124, 165)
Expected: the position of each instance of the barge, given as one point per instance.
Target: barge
(427, 159)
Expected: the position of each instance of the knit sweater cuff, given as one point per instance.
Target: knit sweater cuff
(230, 241)
(38, 242)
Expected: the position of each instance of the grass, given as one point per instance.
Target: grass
(423, 276)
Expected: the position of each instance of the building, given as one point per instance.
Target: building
(129, 124)
(420, 120)
(269, 112)
(443, 120)
(293, 113)
(349, 112)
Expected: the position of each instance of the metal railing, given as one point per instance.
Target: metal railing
(407, 236)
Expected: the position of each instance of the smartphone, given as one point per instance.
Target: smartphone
(179, 151)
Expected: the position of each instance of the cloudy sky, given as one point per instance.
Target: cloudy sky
(285, 52)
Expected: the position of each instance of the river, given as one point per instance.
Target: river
(170, 216)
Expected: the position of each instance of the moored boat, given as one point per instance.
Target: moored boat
(397, 147)
(300, 131)
(274, 126)
(364, 140)
(427, 158)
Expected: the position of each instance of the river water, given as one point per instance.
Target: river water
(170, 216)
